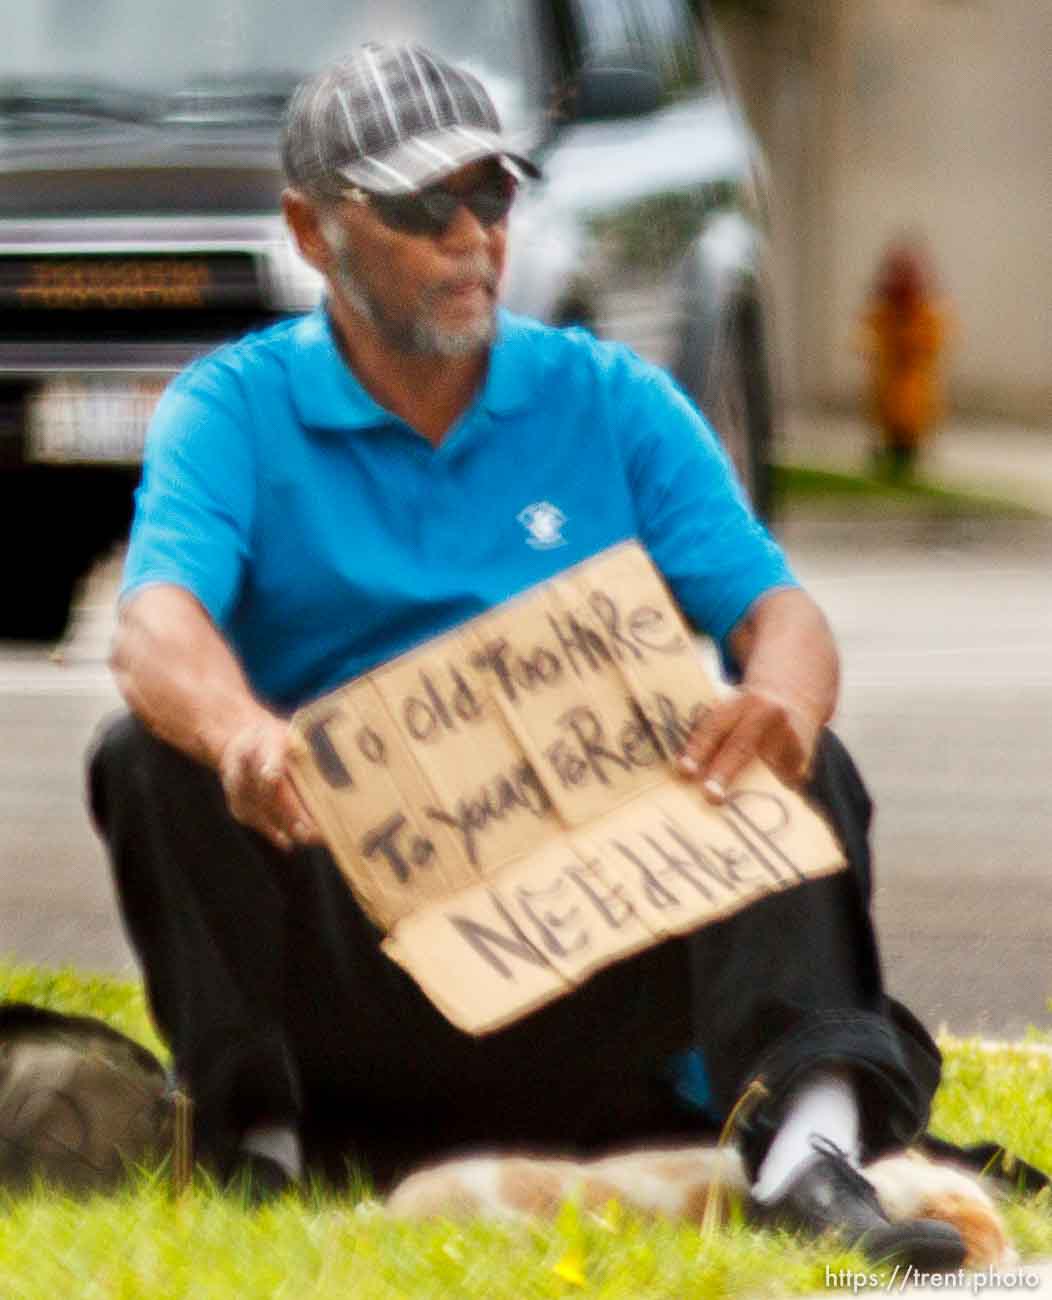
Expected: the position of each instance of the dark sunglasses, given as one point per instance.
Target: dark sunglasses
(432, 210)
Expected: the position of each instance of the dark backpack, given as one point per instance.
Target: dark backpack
(80, 1103)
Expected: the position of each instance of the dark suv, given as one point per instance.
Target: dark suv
(139, 221)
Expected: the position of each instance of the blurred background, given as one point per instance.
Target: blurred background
(879, 122)
(887, 116)
(927, 120)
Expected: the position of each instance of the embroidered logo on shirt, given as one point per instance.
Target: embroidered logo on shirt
(544, 523)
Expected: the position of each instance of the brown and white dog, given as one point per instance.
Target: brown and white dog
(681, 1183)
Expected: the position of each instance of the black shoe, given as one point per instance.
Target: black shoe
(257, 1179)
(828, 1195)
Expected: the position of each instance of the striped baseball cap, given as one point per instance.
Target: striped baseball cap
(392, 119)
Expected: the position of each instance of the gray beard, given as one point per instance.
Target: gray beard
(420, 335)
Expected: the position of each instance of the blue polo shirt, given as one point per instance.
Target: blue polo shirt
(324, 536)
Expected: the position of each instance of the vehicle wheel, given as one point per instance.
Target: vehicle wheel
(740, 407)
(49, 532)
(37, 603)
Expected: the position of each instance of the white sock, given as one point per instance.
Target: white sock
(824, 1105)
(277, 1142)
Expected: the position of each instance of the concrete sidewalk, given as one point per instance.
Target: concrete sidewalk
(989, 458)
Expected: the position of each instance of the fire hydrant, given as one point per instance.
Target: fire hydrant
(904, 333)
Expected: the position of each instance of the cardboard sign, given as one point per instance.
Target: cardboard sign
(505, 805)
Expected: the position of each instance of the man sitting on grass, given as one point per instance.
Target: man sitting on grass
(322, 496)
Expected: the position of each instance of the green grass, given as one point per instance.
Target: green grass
(823, 493)
(119, 1002)
(144, 1244)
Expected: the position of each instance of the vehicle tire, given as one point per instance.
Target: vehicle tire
(37, 604)
(740, 407)
(35, 533)
(53, 523)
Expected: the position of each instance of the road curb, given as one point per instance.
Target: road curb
(867, 536)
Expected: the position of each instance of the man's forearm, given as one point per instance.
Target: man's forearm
(785, 649)
(185, 683)
(178, 675)
(788, 692)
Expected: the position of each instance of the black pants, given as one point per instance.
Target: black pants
(268, 983)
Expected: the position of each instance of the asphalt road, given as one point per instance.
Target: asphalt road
(947, 645)
(946, 639)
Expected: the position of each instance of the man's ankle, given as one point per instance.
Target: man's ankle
(823, 1106)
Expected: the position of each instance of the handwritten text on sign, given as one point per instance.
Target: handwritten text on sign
(504, 804)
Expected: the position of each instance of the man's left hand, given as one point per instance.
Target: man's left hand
(788, 693)
(741, 727)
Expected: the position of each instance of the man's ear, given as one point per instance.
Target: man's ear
(305, 225)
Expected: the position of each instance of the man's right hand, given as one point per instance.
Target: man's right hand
(181, 678)
(254, 774)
